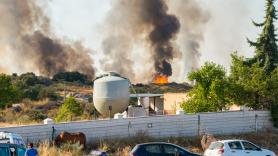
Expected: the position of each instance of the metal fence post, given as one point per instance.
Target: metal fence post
(52, 136)
(128, 128)
(256, 123)
(199, 123)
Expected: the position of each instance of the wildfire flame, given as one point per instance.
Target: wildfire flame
(160, 79)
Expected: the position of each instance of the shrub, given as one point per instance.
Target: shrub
(69, 109)
(36, 115)
(71, 77)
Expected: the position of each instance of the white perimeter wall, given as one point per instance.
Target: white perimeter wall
(156, 126)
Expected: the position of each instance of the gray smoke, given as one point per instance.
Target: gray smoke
(116, 48)
(164, 29)
(131, 19)
(193, 20)
(161, 26)
(34, 46)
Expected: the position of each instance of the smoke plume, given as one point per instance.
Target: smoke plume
(117, 48)
(193, 21)
(165, 30)
(165, 27)
(34, 46)
(131, 22)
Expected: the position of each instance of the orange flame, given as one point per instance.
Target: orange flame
(160, 79)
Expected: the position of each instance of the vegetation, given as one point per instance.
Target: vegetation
(251, 86)
(72, 77)
(257, 77)
(32, 86)
(122, 146)
(265, 47)
(46, 149)
(252, 82)
(69, 109)
(8, 92)
(211, 90)
(160, 88)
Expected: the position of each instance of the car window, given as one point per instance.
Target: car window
(172, 150)
(249, 146)
(155, 149)
(215, 145)
(235, 145)
(4, 151)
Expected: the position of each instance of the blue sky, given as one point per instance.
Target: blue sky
(225, 32)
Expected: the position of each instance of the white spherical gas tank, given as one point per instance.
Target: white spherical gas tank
(111, 94)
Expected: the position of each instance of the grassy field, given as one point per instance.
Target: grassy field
(121, 147)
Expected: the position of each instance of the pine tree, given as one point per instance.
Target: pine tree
(265, 46)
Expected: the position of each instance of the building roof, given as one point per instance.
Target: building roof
(145, 95)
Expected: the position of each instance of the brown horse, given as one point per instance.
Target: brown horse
(66, 137)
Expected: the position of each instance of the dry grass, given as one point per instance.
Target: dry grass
(121, 147)
(27, 113)
(46, 149)
(13, 124)
(40, 102)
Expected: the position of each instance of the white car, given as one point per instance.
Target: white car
(236, 148)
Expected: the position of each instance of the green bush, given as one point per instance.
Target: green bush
(36, 115)
(69, 109)
(48, 92)
(71, 77)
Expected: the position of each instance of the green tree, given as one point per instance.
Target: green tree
(32, 86)
(265, 46)
(247, 84)
(252, 87)
(254, 81)
(69, 109)
(209, 93)
(48, 92)
(71, 77)
(8, 92)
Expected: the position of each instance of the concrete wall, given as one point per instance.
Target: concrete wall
(156, 126)
(172, 102)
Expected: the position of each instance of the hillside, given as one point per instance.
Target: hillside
(161, 88)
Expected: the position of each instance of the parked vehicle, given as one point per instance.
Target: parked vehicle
(98, 153)
(13, 138)
(160, 149)
(11, 150)
(236, 148)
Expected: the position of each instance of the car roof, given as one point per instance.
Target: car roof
(150, 143)
(8, 144)
(230, 140)
(161, 143)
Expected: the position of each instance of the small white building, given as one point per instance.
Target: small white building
(152, 103)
